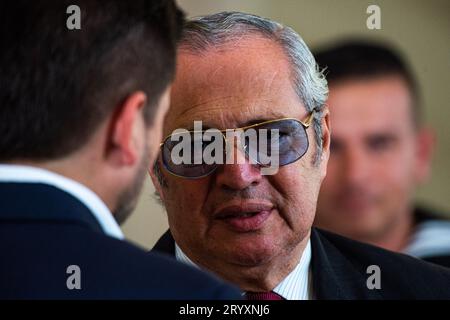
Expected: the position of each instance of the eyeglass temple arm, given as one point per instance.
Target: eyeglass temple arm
(308, 121)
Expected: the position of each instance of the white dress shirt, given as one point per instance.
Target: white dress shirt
(431, 238)
(296, 285)
(27, 174)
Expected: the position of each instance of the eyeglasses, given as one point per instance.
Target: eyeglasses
(289, 134)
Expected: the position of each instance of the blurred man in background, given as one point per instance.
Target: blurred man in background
(380, 153)
(80, 119)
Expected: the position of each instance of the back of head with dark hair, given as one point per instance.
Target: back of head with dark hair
(57, 85)
(358, 60)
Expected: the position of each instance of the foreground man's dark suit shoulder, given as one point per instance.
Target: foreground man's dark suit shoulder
(43, 230)
(339, 270)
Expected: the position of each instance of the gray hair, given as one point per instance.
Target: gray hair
(218, 29)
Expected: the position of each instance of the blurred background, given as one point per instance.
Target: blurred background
(420, 29)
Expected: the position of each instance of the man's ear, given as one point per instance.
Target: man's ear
(425, 143)
(326, 140)
(156, 175)
(127, 131)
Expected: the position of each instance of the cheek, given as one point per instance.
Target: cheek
(394, 188)
(298, 186)
(396, 170)
(184, 203)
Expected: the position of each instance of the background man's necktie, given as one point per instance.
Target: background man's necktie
(263, 296)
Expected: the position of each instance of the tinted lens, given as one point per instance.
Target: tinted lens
(292, 141)
(179, 156)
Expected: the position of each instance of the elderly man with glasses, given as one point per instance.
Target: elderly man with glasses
(227, 213)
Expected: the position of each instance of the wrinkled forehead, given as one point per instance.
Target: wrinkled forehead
(227, 87)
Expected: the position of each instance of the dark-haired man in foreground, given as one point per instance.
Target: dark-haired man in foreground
(80, 118)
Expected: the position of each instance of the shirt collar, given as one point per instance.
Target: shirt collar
(296, 285)
(27, 174)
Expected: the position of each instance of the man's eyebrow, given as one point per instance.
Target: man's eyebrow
(261, 119)
(206, 125)
(190, 126)
(254, 121)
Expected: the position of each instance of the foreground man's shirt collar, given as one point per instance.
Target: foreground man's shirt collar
(27, 174)
(296, 286)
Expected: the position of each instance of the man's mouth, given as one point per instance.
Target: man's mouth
(244, 217)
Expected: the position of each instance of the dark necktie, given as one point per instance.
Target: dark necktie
(263, 296)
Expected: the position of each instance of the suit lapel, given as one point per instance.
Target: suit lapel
(165, 244)
(334, 276)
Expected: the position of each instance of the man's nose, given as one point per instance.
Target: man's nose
(239, 175)
(356, 167)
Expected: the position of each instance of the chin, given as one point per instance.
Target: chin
(122, 214)
(252, 253)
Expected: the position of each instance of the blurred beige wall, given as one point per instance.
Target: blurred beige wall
(419, 28)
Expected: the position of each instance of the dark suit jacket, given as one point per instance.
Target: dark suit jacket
(43, 230)
(339, 270)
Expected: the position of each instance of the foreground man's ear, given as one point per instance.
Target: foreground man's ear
(127, 131)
